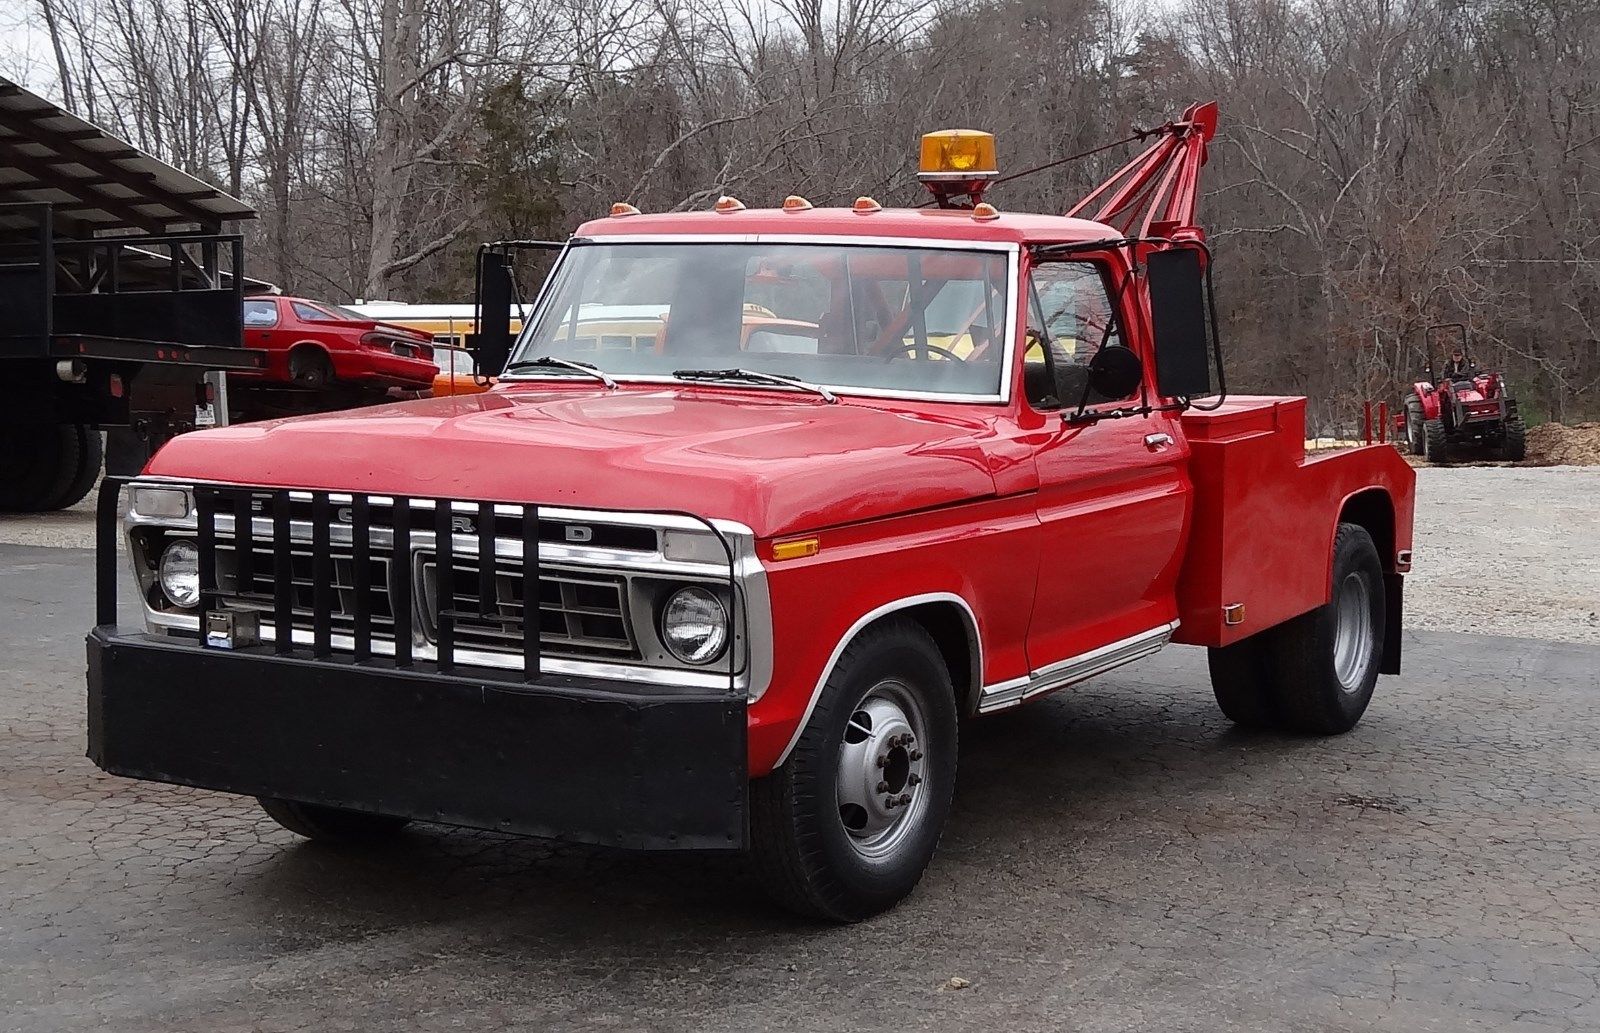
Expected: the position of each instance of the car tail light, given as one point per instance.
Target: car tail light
(375, 340)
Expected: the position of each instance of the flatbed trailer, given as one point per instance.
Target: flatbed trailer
(119, 303)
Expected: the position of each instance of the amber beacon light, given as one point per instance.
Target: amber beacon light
(957, 163)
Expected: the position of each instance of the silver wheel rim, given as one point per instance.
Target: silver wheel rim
(1352, 642)
(881, 792)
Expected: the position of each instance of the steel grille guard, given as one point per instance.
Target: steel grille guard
(435, 514)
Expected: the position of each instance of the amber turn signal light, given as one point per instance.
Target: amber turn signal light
(796, 548)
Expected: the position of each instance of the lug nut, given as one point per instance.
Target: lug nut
(914, 780)
(916, 754)
(883, 787)
(882, 761)
(905, 798)
(890, 803)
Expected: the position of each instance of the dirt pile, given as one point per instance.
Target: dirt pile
(1554, 444)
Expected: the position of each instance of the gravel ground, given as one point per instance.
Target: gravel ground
(1499, 550)
(1507, 551)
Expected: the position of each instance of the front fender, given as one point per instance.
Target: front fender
(981, 558)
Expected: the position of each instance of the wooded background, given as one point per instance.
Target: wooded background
(1382, 165)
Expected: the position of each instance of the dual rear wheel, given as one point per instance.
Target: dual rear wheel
(46, 467)
(1314, 674)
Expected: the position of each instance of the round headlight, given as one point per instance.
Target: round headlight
(179, 571)
(694, 626)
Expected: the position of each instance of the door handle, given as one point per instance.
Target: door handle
(1156, 442)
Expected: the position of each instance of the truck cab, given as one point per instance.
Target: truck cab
(874, 473)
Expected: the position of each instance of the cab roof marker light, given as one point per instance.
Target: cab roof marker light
(796, 203)
(726, 205)
(983, 211)
(623, 208)
(796, 548)
(866, 206)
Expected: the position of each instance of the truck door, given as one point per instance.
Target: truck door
(1113, 495)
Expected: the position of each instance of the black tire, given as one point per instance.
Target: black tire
(91, 455)
(331, 824)
(1436, 446)
(39, 465)
(1514, 448)
(309, 368)
(802, 851)
(1241, 679)
(1315, 693)
(1414, 421)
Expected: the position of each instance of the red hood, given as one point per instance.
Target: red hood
(778, 464)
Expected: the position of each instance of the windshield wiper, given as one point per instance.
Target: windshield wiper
(551, 362)
(757, 377)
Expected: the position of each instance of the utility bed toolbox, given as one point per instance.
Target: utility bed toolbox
(1250, 570)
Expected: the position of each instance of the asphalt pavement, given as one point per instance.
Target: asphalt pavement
(1119, 859)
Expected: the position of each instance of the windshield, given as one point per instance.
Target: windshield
(881, 318)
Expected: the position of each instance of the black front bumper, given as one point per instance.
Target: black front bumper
(563, 758)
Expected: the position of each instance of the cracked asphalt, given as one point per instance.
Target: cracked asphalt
(1119, 859)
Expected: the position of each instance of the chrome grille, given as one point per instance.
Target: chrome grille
(579, 613)
(358, 574)
(258, 594)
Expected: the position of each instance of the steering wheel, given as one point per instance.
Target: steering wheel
(908, 347)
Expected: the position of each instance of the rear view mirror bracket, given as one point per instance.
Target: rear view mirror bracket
(495, 291)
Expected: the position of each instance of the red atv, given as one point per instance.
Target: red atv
(1452, 413)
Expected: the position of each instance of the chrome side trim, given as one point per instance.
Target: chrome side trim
(862, 622)
(1075, 669)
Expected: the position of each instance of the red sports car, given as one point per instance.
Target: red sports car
(314, 344)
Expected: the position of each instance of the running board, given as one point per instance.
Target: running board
(1075, 669)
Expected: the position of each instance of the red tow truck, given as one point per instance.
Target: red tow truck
(715, 589)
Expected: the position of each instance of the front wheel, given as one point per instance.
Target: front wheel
(1514, 449)
(1435, 442)
(846, 827)
(1414, 426)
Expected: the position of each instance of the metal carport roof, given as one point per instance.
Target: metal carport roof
(94, 180)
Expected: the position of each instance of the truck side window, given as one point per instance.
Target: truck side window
(1070, 317)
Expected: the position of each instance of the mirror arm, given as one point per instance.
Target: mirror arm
(1081, 419)
(1216, 341)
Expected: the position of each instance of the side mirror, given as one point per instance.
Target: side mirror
(491, 345)
(1115, 372)
(1179, 318)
